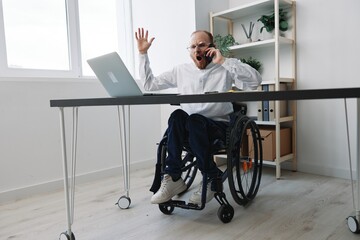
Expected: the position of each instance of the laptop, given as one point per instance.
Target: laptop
(115, 77)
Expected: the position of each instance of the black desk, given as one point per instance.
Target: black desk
(212, 97)
(125, 102)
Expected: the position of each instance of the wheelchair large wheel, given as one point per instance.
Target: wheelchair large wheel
(189, 167)
(244, 165)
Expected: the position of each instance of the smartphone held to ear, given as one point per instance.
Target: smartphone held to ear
(209, 58)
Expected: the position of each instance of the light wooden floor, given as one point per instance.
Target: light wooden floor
(300, 206)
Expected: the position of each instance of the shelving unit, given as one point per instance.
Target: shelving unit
(251, 12)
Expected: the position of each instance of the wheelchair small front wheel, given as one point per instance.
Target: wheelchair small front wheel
(225, 213)
(166, 209)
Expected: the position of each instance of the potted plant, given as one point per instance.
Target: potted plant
(269, 21)
(256, 64)
(223, 43)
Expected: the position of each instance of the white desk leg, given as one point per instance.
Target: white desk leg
(124, 127)
(73, 160)
(358, 159)
(69, 189)
(354, 221)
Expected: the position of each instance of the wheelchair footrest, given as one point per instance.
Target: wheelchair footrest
(181, 204)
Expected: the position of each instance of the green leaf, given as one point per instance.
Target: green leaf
(223, 43)
(269, 21)
(283, 26)
(252, 62)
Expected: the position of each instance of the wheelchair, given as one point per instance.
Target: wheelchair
(243, 168)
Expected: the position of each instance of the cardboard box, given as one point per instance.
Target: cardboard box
(269, 142)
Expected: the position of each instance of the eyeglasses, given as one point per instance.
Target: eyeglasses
(201, 46)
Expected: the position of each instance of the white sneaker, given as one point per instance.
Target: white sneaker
(168, 189)
(196, 196)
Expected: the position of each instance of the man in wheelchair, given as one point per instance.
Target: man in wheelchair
(195, 124)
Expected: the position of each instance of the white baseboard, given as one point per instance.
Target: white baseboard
(56, 185)
(321, 170)
(307, 168)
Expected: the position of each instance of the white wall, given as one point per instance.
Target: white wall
(327, 57)
(203, 8)
(30, 152)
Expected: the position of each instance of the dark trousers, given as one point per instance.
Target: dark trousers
(199, 133)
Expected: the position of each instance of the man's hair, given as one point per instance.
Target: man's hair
(211, 38)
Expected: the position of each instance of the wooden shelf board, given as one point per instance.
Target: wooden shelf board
(282, 159)
(286, 119)
(263, 43)
(251, 9)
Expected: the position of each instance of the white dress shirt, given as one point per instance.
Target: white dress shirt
(188, 79)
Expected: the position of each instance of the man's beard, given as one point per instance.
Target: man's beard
(200, 62)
